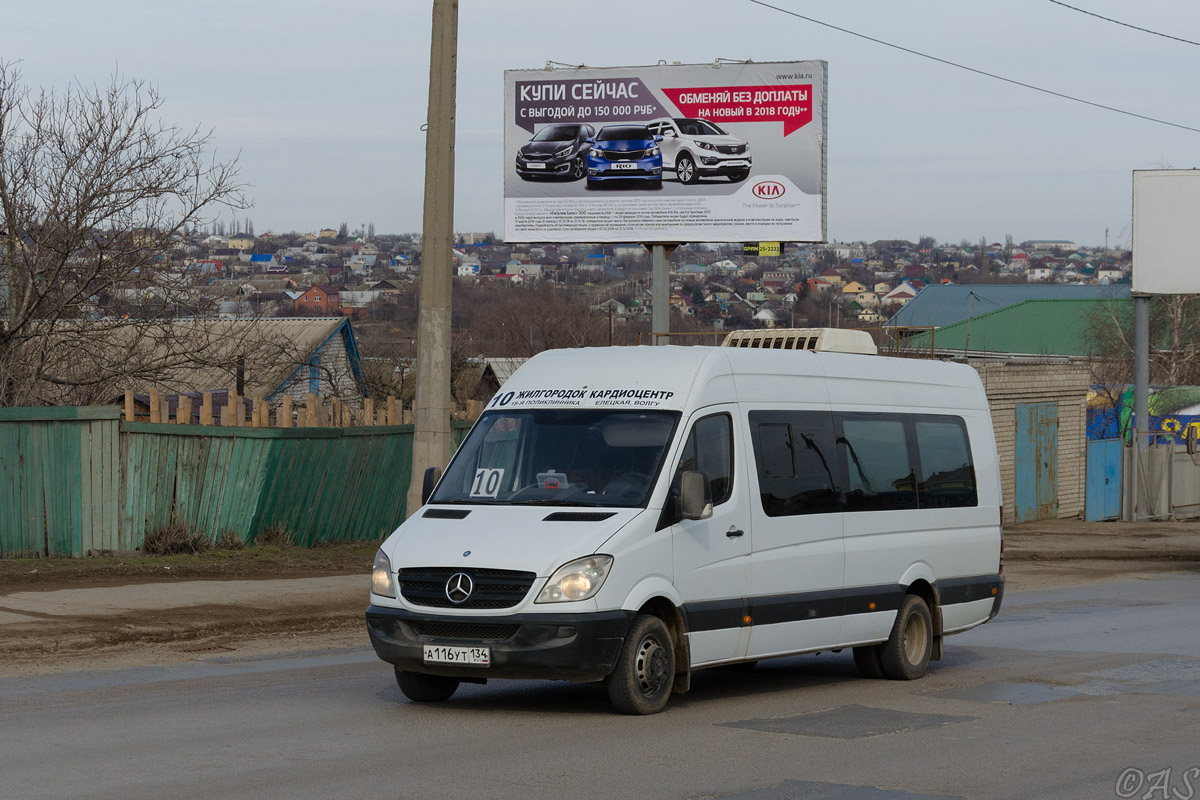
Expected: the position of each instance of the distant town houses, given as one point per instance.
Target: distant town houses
(331, 272)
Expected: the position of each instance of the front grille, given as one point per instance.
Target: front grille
(494, 588)
(466, 630)
(731, 149)
(537, 156)
(623, 155)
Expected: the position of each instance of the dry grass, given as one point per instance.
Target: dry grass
(230, 540)
(275, 535)
(175, 538)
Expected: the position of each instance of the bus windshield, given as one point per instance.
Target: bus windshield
(569, 457)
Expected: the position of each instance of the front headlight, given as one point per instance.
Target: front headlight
(653, 151)
(706, 146)
(566, 151)
(576, 580)
(381, 577)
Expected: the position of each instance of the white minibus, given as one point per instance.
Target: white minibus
(628, 515)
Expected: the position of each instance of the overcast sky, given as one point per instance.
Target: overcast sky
(325, 101)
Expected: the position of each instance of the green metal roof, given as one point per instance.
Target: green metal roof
(1034, 327)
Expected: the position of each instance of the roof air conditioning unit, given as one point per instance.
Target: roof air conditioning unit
(827, 340)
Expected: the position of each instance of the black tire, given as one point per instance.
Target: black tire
(905, 654)
(869, 661)
(591, 184)
(685, 169)
(422, 688)
(645, 672)
(738, 177)
(578, 168)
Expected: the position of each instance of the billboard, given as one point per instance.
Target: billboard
(1166, 206)
(722, 152)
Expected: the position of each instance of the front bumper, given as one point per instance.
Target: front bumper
(532, 168)
(723, 165)
(646, 169)
(570, 647)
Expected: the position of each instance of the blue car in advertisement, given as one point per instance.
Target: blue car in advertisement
(625, 153)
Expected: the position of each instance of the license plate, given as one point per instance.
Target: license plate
(623, 165)
(534, 165)
(439, 654)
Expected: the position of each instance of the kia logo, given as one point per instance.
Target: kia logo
(768, 190)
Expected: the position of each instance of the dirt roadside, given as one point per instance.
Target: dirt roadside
(60, 615)
(128, 609)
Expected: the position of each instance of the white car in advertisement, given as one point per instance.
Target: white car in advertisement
(696, 148)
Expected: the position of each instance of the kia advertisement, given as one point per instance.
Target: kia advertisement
(723, 152)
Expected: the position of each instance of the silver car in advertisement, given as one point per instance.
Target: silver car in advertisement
(696, 148)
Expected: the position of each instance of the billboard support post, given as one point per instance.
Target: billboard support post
(660, 291)
(431, 430)
(1141, 390)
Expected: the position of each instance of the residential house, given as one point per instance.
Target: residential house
(241, 241)
(867, 299)
(692, 272)
(833, 277)
(320, 299)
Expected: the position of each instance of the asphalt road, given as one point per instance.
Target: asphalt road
(1070, 690)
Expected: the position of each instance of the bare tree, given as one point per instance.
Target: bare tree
(1174, 341)
(95, 190)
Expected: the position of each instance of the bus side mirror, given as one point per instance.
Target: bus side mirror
(1190, 439)
(431, 478)
(693, 496)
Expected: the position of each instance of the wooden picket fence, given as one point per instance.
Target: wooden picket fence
(256, 412)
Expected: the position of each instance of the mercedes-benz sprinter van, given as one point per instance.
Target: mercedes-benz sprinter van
(627, 515)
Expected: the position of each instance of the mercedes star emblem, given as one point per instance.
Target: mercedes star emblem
(459, 587)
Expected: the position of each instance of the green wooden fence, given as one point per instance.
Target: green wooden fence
(59, 480)
(78, 479)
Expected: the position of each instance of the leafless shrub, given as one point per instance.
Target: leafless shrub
(230, 540)
(275, 535)
(175, 538)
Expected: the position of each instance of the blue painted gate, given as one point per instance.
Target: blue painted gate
(1104, 471)
(1035, 473)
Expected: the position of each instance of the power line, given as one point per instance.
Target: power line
(976, 71)
(1125, 24)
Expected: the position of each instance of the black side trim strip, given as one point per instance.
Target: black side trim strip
(968, 590)
(793, 607)
(711, 615)
(886, 598)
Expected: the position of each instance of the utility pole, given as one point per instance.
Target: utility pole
(431, 435)
(660, 289)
